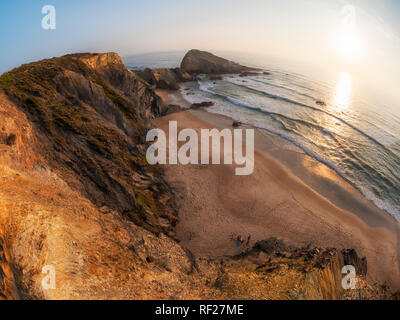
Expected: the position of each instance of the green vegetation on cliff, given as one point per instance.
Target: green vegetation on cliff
(91, 115)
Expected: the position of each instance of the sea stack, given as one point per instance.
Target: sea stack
(202, 62)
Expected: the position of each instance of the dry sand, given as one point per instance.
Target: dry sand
(289, 196)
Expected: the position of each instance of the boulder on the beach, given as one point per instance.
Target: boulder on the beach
(204, 104)
(236, 124)
(202, 62)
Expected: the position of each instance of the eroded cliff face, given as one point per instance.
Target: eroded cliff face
(77, 194)
(90, 116)
(74, 124)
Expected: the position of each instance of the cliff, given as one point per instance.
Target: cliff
(77, 194)
(90, 115)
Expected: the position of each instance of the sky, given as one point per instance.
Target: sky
(315, 33)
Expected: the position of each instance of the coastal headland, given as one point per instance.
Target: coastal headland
(77, 196)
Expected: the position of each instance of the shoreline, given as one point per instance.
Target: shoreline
(300, 163)
(314, 173)
(290, 196)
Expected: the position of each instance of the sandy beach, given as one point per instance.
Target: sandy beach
(289, 196)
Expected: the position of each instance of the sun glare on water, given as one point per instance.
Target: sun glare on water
(343, 92)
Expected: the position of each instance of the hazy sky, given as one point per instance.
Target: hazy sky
(308, 31)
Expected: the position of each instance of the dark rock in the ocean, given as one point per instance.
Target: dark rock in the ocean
(266, 73)
(320, 103)
(201, 62)
(248, 74)
(204, 104)
(215, 77)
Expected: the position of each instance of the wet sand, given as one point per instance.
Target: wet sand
(289, 196)
(172, 97)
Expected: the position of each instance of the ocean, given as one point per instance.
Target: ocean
(333, 121)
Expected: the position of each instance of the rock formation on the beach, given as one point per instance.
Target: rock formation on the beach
(77, 194)
(194, 63)
(168, 79)
(202, 62)
(204, 104)
(172, 108)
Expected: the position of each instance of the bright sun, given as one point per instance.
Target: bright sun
(349, 45)
(348, 41)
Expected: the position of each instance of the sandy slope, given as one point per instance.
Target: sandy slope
(215, 206)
